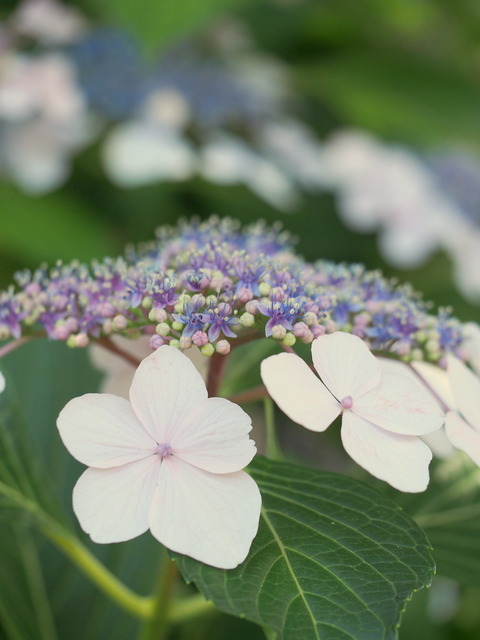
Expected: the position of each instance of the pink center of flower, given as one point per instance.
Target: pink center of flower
(347, 402)
(164, 449)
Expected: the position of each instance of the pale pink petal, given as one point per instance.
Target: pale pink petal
(345, 364)
(400, 460)
(462, 436)
(101, 430)
(298, 392)
(210, 517)
(112, 505)
(437, 380)
(438, 442)
(401, 405)
(466, 390)
(165, 387)
(214, 437)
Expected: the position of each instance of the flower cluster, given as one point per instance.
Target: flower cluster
(197, 109)
(418, 203)
(212, 284)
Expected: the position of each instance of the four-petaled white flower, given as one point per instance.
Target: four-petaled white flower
(383, 412)
(169, 460)
(463, 427)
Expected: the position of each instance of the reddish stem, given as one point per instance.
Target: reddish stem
(257, 393)
(14, 344)
(107, 343)
(215, 373)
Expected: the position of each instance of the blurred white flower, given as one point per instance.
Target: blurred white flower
(417, 203)
(170, 460)
(228, 160)
(2, 382)
(296, 151)
(383, 412)
(139, 152)
(43, 120)
(48, 21)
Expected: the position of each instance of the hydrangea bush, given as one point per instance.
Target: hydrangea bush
(305, 553)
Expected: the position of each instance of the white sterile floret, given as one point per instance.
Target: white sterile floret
(383, 412)
(170, 460)
(463, 427)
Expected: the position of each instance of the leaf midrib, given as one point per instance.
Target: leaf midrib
(290, 568)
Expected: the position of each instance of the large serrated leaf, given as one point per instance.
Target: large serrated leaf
(333, 559)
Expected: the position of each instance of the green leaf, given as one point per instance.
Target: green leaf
(449, 513)
(399, 97)
(157, 22)
(333, 559)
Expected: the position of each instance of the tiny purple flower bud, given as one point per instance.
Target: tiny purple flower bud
(61, 332)
(317, 330)
(252, 307)
(199, 338)
(222, 347)
(308, 338)
(300, 330)
(277, 293)
(71, 324)
(33, 289)
(244, 295)
(358, 330)
(81, 340)
(156, 341)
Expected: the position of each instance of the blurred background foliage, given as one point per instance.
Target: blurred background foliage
(405, 70)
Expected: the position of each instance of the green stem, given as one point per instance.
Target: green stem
(71, 546)
(448, 516)
(160, 610)
(33, 573)
(156, 627)
(183, 610)
(272, 446)
(139, 606)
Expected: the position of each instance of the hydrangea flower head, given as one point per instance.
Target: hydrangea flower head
(383, 412)
(209, 282)
(170, 460)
